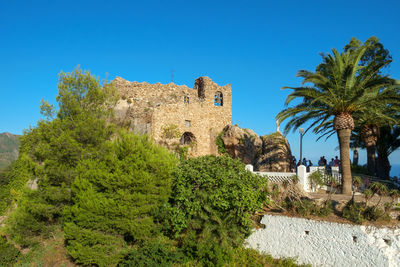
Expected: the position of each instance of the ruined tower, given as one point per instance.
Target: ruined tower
(176, 115)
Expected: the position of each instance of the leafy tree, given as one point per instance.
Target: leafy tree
(210, 206)
(50, 152)
(114, 198)
(375, 52)
(339, 88)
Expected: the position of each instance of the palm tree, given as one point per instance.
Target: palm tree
(369, 123)
(389, 141)
(339, 88)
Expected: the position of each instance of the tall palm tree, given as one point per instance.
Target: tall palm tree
(369, 122)
(388, 142)
(339, 87)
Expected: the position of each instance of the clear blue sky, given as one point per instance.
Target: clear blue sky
(257, 46)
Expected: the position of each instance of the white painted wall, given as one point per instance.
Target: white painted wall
(327, 244)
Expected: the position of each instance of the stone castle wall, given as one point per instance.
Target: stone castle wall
(151, 108)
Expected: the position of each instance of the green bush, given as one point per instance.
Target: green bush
(210, 206)
(115, 198)
(360, 169)
(316, 179)
(306, 207)
(372, 213)
(353, 212)
(220, 144)
(153, 254)
(251, 257)
(8, 253)
(14, 180)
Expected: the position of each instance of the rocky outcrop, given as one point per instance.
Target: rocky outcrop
(240, 143)
(276, 155)
(266, 153)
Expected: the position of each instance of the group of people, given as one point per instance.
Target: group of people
(335, 162)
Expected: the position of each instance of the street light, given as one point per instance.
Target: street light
(301, 131)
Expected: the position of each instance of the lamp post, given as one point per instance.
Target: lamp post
(301, 131)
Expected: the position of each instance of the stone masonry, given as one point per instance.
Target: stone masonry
(176, 114)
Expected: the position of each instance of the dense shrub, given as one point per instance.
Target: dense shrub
(8, 253)
(306, 207)
(13, 181)
(251, 257)
(210, 207)
(153, 254)
(358, 212)
(114, 199)
(353, 212)
(360, 169)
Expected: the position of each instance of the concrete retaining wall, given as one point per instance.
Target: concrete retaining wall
(327, 244)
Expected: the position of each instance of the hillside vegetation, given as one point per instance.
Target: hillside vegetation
(9, 144)
(84, 191)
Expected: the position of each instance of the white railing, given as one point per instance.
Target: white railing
(302, 174)
(278, 177)
(275, 177)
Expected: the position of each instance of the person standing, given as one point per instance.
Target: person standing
(309, 165)
(336, 162)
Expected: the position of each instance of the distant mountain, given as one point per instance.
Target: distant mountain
(9, 145)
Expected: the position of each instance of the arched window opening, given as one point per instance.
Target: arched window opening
(186, 99)
(187, 138)
(218, 99)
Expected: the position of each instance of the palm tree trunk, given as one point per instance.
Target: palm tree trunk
(355, 156)
(371, 161)
(383, 166)
(344, 144)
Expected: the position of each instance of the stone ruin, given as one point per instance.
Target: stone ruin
(176, 115)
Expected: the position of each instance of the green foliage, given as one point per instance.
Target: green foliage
(357, 181)
(358, 212)
(316, 179)
(171, 131)
(80, 92)
(372, 213)
(153, 254)
(353, 212)
(220, 144)
(13, 180)
(375, 52)
(306, 207)
(359, 169)
(251, 257)
(8, 253)
(51, 152)
(368, 194)
(47, 110)
(182, 152)
(115, 197)
(295, 179)
(211, 203)
(379, 188)
(340, 87)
